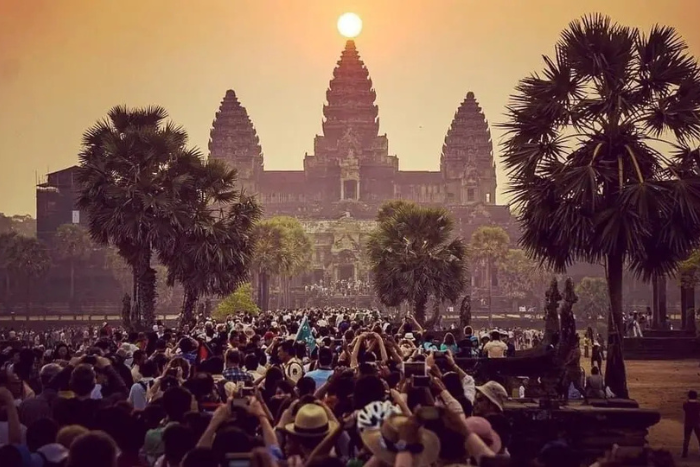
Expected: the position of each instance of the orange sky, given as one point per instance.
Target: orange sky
(64, 63)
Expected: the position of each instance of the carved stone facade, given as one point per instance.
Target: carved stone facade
(351, 172)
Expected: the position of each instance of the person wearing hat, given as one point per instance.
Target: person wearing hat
(490, 398)
(401, 440)
(312, 424)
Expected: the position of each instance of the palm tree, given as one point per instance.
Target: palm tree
(298, 248)
(413, 256)
(270, 257)
(133, 179)
(73, 244)
(591, 176)
(212, 253)
(488, 247)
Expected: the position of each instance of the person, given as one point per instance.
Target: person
(597, 356)
(691, 422)
(595, 384)
(495, 347)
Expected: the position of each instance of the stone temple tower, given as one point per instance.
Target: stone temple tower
(466, 162)
(351, 160)
(233, 139)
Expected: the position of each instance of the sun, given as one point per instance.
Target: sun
(350, 25)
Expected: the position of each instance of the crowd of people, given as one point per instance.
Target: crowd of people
(340, 288)
(305, 387)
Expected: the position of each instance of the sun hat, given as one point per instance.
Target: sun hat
(311, 421)
(409, 336)
(483, 429)
(494, 392)
(382, 442)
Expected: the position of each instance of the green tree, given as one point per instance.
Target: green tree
(29, 261)
(240, 301)
(521, 278)
(593, 298)
(488, 248)
(413, 255)
(135, 183)
(120, 269)
(298, 248)
(283, 249)
(73, 245)
(7, 241)
(591, 176)
(213, 252)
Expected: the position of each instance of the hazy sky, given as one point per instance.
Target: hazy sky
(64, 63)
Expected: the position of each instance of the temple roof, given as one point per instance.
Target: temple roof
(468, 136)
(282, 181)
(418, 177)
(233, 136)
(350, 98)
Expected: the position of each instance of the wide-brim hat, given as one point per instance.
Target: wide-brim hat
(376, 441)
(494, 392)
(311, 421)
(483, 429)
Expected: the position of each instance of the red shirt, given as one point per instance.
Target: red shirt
(692, 413)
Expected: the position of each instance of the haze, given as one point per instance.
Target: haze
(64, 63)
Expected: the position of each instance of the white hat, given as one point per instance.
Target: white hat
(409, 336)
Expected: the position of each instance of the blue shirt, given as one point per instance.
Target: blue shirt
(320, 376)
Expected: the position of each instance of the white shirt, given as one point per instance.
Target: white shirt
(138, 394)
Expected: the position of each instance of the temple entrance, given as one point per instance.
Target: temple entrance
(346, 272)
(350, 189)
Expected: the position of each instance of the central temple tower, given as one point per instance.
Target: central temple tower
(351, 160)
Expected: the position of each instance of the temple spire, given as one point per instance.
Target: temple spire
(350, 100)
(233, 138)
(467, 152)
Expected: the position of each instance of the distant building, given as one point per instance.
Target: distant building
(351, 173)
(55, 203)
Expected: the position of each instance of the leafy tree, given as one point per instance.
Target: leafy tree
(120, 269)
(73, 245)
(239, 301)
(592, 176)
(7, 241)
(521, 278)
(212, 252)
(593, 298)
(282, 248)
(414, 255)
(488, 248)
(28, 260)
(134, 185)
(298, 248)
(19, 224)
(688, 277)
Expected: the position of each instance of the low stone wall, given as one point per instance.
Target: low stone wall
(678, 347)
(589, 429)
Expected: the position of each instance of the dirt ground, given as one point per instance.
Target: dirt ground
(663, 385)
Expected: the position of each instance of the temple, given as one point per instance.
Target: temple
(351, 172)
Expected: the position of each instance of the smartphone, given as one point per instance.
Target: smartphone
(237, 460)
(247, 391)
(411, 369)
(421, 381)
(239, 402)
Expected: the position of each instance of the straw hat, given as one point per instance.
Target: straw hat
(495, 393)
(311, 421)
(381, 442)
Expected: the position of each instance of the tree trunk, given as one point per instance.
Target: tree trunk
(136, 320)
(465, 314)
(188, 303)
(615, 375)
(430, 324)
(146, 288)
(687, 303)
(490, 289)
(663, 311)
(419, 308)
(72, 281)
(655, 318)
(264, 291)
